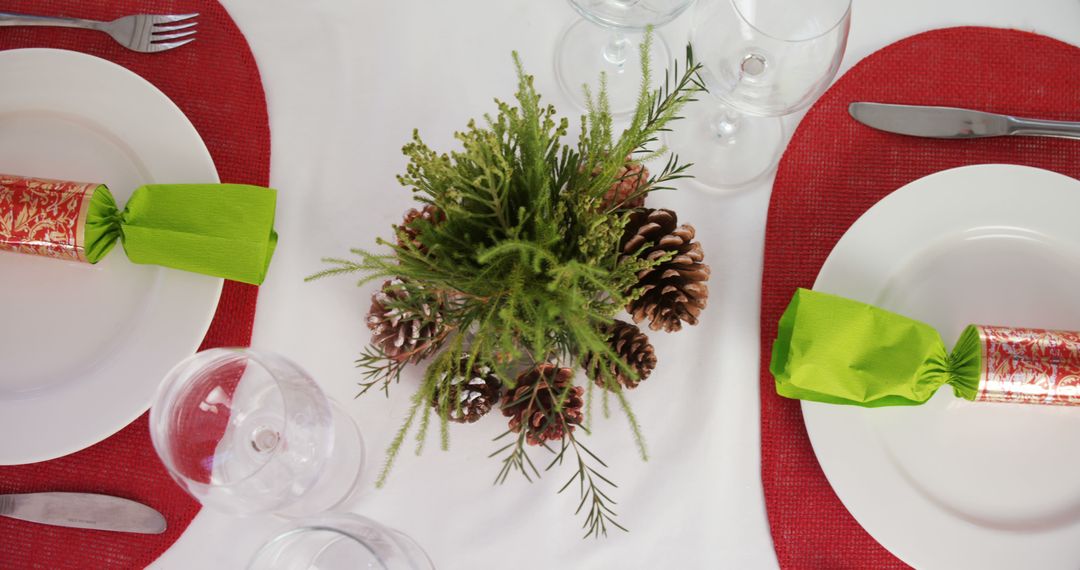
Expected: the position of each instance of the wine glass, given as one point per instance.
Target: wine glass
(761, 59)
(247, 432)
(607, 40)
(340, 541)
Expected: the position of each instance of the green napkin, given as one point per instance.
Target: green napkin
(835, 350)
(224, 230)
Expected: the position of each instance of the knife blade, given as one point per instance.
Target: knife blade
(953, 122)
(83, 510)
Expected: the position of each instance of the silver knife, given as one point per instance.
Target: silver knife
(83, 510)
(954, 123)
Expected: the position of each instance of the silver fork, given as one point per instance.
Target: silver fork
(147, 33)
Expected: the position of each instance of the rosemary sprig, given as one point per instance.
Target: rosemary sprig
(590, 489)
(516, 458)
(378, 370)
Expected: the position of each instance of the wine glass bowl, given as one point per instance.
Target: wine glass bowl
(607, 40)
(785, 59)
(760, 59)
(247, 432)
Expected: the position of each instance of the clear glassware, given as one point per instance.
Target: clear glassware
(608, 40)
(340, 541)
(761, 59)
(247, 432)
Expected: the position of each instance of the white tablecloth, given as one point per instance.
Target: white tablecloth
(346, 82)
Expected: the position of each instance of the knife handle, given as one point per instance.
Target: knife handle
(11, 19)
(1039, 127)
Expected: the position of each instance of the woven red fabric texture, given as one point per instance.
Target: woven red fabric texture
(216, 83)
(835, 169)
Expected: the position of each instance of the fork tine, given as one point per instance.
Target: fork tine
(164, 19)
(154, 48)
(159, 28)
(160, 38)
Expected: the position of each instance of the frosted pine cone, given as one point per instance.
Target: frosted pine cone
(404, 334)
(472, 392)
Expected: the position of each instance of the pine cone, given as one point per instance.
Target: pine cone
(629, 181)
(408, 233)
(673, 291)
(472, 391)
(531, 404)
(633, 347)
(403, 335)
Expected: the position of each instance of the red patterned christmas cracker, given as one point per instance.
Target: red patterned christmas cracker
(1031, 366)
(44, 217)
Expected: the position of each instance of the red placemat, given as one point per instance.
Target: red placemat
(216, 83)
(834, 170)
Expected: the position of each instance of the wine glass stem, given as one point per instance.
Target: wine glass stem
(725, 123)
(615, 51)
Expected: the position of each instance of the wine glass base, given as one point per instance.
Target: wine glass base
(339, 484)
(332, 541)
(726, 163)
(583, 54)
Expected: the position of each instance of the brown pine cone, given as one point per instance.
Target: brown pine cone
(630, 180)
(472, 391)
(531, 404)
(633, 347)
(408, 233)
(675, 291)
(403, 335)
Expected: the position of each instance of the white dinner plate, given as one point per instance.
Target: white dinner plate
(82, 346)
(956, 484)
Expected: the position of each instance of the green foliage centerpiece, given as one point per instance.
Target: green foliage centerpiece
(511, 274)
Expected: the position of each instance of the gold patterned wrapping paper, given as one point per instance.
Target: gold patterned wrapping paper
(44, 217)
(1031, 366)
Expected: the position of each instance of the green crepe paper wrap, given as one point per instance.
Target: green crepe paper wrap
(223, 230)
(839, 351)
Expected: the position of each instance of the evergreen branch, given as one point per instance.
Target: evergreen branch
(590, 387)
(399, 438)
(421, 434)
(343, 267)
(635, 427)
(523, 263)
(606, 406)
